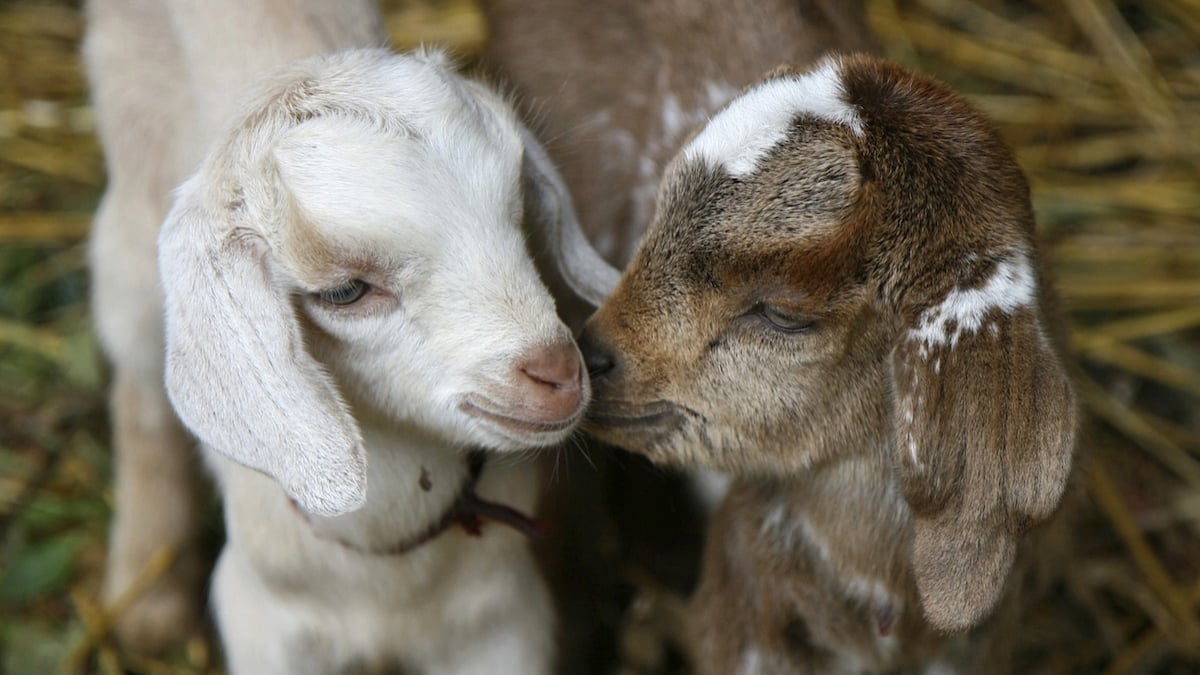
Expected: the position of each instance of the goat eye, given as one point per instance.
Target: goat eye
(346, 294)
(785, 322)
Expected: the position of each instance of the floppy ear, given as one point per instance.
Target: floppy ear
(985, 430)
(237, 371)
(548, 204)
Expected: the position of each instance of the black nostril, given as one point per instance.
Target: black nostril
(596, 355)
(599, 364)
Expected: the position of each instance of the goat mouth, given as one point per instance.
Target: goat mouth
(484, 409)
(623, 417)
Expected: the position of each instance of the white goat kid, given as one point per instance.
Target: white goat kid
(350, 308)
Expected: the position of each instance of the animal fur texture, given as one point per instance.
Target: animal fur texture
(164, 75)
(840, 301)
(615, 89)
(350, 307)
(369, 312)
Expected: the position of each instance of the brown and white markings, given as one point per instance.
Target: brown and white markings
(615, 89)
(840, 301)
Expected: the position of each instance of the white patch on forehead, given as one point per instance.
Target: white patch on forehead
(962, 311)
(741, 134)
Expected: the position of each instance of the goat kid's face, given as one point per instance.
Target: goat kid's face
(743, 319)
(357, 249)
(447, 323)
(842, 263)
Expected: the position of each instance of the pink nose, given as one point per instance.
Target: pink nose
(550, 379)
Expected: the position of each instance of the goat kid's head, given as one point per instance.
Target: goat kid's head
(842, 262)
(355, 244)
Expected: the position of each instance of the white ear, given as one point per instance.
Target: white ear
(237, 370)
(579, 264)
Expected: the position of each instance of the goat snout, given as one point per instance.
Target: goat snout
(540, 400)
(551, 380)
(600, 358)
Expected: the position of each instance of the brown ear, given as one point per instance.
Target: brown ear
(985, 421)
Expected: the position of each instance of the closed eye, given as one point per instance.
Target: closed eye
(346, 294)
(785, 321)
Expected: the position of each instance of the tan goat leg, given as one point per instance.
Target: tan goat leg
(155, 510)
(144, 118)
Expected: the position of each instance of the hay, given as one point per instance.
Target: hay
(1101, 102)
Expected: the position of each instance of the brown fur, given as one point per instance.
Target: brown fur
(597, 80)
(596, 75)
(858, 235)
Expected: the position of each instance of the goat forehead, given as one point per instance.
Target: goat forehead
(712, 228)
(739, 136)
(353, 182)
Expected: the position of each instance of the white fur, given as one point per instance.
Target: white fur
(963, 311)
(338, 432)
(455, 605)
(743, 133)
(163, 76)
(872, 592)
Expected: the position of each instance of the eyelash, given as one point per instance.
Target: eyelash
(784, 322)
(345, 295)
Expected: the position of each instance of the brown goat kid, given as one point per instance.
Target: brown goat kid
(839, 300)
